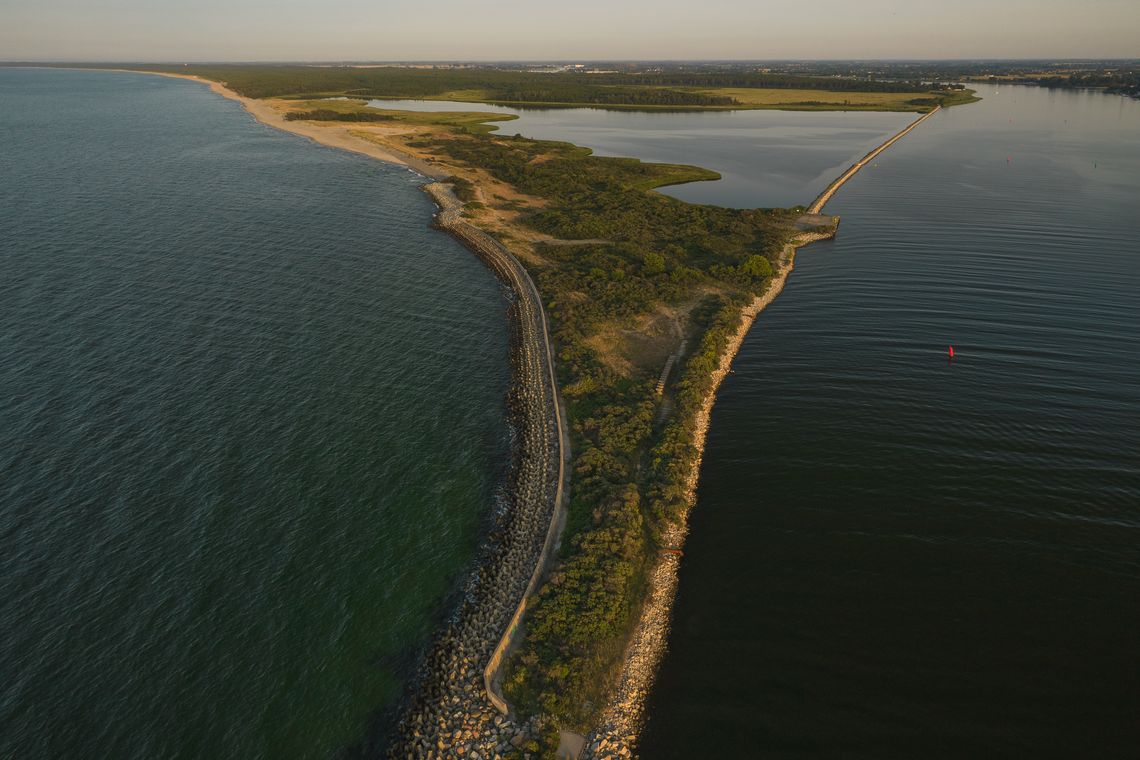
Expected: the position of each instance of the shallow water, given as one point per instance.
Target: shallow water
(766, 158)
(894, 555)
(251, 417)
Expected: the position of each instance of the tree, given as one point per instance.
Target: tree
(757, 266)
(653, 263)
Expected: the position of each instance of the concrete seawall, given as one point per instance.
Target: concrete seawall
(457, 709)
(816, 206)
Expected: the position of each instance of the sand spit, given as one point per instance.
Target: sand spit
(454, 710)
(332, 135)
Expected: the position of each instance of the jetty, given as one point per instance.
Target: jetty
(816, 206)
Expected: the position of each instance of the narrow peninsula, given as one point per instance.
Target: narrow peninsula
(627, 308)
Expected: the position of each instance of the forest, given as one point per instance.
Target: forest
(327, 114)
(653, 88)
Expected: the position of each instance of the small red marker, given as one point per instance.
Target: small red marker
(951, 352)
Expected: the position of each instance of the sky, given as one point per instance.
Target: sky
(393, 30)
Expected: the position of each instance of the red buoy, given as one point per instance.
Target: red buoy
(951, 352)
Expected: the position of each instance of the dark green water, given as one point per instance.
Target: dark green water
(765, 158)
(251, 417)
(893, 555)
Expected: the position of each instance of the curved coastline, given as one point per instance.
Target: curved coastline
(331, 136)
(455, 708)
(532, 325)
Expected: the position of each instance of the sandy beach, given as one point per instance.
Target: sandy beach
(332, 135)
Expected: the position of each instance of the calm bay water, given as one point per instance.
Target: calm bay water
(765, 158)
(894, 555)
(251, 417)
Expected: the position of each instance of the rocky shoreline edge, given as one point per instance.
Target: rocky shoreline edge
(449, 709)
(453, 710)
(623, 718)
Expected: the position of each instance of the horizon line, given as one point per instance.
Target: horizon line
(397, 61)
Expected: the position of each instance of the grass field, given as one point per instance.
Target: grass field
(472, 122)
(754, 98)
(827, 100)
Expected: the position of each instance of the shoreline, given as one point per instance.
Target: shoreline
(821, 200)
(442, 713)
(623, 718)
(452, 707)
(332, 136)
(512, 273)
(451, 704)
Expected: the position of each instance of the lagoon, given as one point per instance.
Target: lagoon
(767, 159)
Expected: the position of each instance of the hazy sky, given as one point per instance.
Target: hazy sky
(175, 30)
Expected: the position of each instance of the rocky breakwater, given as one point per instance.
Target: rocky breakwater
(451, 713)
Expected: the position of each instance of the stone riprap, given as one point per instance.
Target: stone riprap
(452, 712)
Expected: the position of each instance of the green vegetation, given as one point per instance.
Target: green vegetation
(650, 270)
(678, 268)
(958, 97)
(662, 254)
(672, 90)
(325, 114)
(610, 95)
(473, 84)
(356, 111)
(1114, 81)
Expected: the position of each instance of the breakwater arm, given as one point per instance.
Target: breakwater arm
(816, 206)
(457, 707)
(533, 328)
